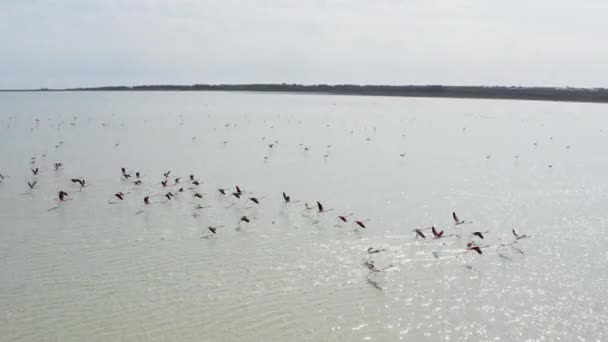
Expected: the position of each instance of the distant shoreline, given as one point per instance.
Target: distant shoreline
(594, 95)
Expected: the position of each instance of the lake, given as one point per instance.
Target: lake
(98, 268)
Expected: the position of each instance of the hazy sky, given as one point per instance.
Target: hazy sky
(66, 43)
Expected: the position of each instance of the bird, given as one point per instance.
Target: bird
(456, 220)
(420, 233)
(3, 177)
(222, 191)
(169, 195)
(197, 195)
(58, 165)
(343, 218)
(79, 181)
(137, 182)
(286, 198)
(254, 200)
(35, 171)
(437, 234)
(478, 234)
(360, 224)
(473, 247)
(62, 195)
(164, 183)
(245, 219)
(238, 190)
(166, 174)
(137, 174)
(372, 250)
(237, 195)
(197, 183)
(119, 195)
(519, 236)
(147, 200)
(191, 177)
(177, 179)
(32, 185)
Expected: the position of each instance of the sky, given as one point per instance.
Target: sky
(72, 43)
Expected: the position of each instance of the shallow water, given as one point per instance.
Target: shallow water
(96, 268)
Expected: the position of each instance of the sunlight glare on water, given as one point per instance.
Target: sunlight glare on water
(100, 268)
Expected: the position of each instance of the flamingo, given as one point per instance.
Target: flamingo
(286, 198)
(32, 185)
(420, 233)
(169, 195)
(222, 191)
(137, 174)
(519, 236)
(35, 171)
(79, 181)
(438, 234)
(164, 183)
(361, 223)
(166, 174)
(254, 200)
(478, 234)
(245, 219)
(456, 220)
(119, 195)
(197, 195)
(147, 200)
(62, 195)
(473, 247)
(197, 183)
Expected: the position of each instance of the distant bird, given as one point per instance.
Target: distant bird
(147, 200)
(420, 233)
(32, 185)
(519, 236)
(456, 220)
(191, 177)
(166, 174)
(58, 165)
(177, 180)
(180, 190)
(473, 247)
(286, 198)
(254, 200)
(344, 218)
(119, 195)
(212, 229)
(238, 190)
(372, 250)
(197, 195)
(137, 182)
(164, 183)
(62, 195)
(79, 181)
(197, 183)
(35, 171)
(222, 191)
(437, 234)
(245, 219)
(360, 224)
(169, 195)
(137, 174)
(3, 177)
(478, 234)
(237, 195)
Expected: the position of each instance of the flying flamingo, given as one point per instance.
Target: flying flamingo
(456, 220)
(519, 236)
(79, 181)
(197, 195)
(119, 195)
(62, 195)
(164, 183)
(438, 234)
(286, 198)
(478, 234)
(166, 174)
(35, 171)
(361, 223)
(473, 247)
(419, 233)
(32, 185)
(320, 208)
